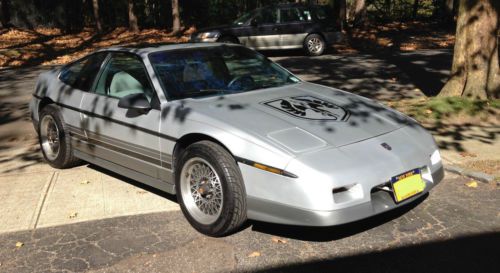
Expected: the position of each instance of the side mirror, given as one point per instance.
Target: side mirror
(137, 101)
(254, 22)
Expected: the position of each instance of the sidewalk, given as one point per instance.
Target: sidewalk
(34, 195)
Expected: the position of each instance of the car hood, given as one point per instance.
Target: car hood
(299, 117)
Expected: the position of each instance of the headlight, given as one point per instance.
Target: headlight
(435, 157)
(211, 34)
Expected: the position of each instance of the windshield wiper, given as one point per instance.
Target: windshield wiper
(203, 92)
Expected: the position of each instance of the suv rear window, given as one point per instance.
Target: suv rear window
(294, 15)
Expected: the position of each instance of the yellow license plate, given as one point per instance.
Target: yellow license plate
(407, 185)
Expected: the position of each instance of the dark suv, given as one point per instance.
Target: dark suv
(279, 27)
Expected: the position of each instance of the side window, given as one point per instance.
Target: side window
(124, 74)
(267, 16)
(293, 15)
(81, 74)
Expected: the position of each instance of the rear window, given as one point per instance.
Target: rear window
(81, 74)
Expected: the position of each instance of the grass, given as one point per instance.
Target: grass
(439, 108)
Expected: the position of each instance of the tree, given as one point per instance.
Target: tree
(415, 9)
(475, 71)
(357, 12)
(5, 13)
(132, 19)
(176, 20)
(97, 18)
(340, 10)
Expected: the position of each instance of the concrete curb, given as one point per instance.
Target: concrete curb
(479, 176)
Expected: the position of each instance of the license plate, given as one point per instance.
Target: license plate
(407, 185)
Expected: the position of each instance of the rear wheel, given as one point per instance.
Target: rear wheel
(314, 44)
(210, 189)
(54, 139)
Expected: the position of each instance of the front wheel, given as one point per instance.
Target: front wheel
(210, 189)
(314, 45)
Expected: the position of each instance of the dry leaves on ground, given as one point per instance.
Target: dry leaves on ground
(49, 46)
(471, 184)
(19, 244)
(279, 240)
(254, 254)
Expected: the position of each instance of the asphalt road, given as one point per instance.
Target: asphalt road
(454, 229)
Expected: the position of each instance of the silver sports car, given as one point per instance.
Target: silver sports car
(233, 135)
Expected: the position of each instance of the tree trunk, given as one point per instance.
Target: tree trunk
(132, 19)
(342, 13)
(415, 8)
(475, 72)
(5, 13)
(176, 20)
(97, 18)
(357, 12)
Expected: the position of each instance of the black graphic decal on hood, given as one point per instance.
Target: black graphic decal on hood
(309, 107)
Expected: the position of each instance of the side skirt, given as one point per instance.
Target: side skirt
(150, 181)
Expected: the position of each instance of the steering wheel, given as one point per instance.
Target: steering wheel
(244, 80)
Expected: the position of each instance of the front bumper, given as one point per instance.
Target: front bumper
(203, 40)
(380, 201)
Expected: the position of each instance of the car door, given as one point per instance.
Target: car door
(126, 137)
(75, 79)
(293, 25)
(263, 31)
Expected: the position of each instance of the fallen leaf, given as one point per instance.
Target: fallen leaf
(85, 182)
(73, 215)
(19, 244)
(467, 154)
(279, 240)
(471, 184)
(428, 111)
(254, 254)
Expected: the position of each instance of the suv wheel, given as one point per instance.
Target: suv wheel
(314, 45)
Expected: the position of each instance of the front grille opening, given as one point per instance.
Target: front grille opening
(386, 187)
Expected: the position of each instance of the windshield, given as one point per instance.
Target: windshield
(216, 70)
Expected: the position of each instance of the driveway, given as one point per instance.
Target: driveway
(455, 229)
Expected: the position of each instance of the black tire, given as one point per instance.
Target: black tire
(233, 208)
(64, 158)
(228, 40)
(314, 45)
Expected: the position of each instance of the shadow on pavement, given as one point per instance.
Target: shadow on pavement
(476, 253)
(133, 182)
(324, 234)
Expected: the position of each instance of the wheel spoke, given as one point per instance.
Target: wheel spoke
(203, 187)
